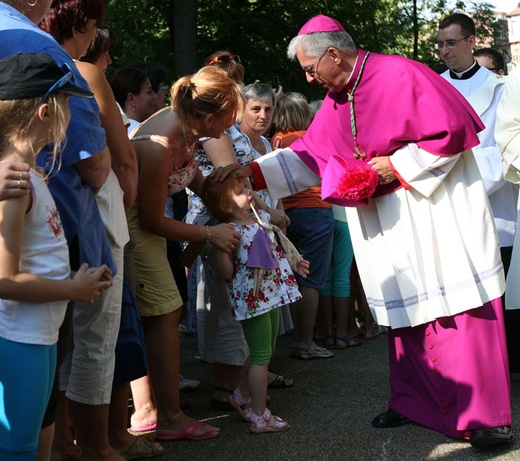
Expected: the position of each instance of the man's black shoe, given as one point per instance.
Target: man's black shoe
(390, 418)
(483, 438)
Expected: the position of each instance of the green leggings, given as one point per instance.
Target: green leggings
(261, 333)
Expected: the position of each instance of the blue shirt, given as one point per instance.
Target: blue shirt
(84, 230)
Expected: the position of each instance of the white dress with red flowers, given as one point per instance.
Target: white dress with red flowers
(278, 286)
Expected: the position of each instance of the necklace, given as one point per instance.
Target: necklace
(188, 150)
(358, 153)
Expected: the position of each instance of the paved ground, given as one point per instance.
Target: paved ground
(330, 410)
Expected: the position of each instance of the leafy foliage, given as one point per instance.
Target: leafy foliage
(141, 30)
(260, 30)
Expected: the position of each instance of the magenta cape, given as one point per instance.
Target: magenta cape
(397, 101)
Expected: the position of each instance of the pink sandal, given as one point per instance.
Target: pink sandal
(260, 424)
(241, 404)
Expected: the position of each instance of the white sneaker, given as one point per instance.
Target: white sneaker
(186, 385)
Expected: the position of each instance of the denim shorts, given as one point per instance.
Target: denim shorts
(312, 233)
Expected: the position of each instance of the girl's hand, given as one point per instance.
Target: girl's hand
(107, 274)
(90, 282)
(224, 237)
(303, 268)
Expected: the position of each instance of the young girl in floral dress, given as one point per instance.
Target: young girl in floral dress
(259, 280)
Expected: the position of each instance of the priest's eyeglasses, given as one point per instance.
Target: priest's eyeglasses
(450, 44)
(310, 69)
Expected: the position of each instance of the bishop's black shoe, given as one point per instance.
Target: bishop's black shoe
(390, 418)
(483, 438)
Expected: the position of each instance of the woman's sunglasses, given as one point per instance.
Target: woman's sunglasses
(224, 59)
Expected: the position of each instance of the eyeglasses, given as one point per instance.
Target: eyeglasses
(59, 84)
(163, 88)
(450, 44)
(225, 58)
(310, 69)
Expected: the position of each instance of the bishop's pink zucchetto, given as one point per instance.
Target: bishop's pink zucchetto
(321, 23)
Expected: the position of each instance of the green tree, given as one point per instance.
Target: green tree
(432, 13)
(141, 31)
(180, 33)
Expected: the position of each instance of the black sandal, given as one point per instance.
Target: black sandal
(280, 383)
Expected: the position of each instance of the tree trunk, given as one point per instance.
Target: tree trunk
(182, 23)
(415, 31)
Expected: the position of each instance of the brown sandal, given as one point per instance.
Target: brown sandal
(143, 448)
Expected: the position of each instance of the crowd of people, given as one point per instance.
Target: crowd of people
(245, 212)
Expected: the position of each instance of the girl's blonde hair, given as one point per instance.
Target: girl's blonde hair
(209, 91)
(16, 121)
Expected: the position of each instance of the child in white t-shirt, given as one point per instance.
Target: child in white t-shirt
(35, 281)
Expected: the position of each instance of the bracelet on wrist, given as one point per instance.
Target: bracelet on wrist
(208, 234)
